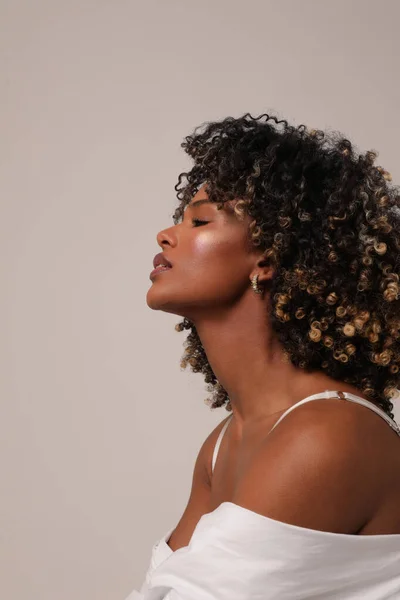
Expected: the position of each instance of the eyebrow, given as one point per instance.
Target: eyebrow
(198, 203)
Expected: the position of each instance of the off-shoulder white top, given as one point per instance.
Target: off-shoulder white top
(237, 554)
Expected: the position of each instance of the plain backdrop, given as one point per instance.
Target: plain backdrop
(99, 426)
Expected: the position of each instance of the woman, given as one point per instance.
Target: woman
(285, 268)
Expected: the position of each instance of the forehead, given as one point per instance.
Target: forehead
(201, 198)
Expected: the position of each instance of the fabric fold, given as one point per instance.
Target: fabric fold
(160, 551)
(236, 554)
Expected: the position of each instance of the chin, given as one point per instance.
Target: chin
(157, 300)
(154, 300)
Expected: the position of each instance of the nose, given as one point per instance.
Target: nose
(164, 236)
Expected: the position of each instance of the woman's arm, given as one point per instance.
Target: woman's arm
(199, 500)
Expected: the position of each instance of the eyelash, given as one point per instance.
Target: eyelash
(199, 221)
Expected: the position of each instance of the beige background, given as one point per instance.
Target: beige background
(99, 428)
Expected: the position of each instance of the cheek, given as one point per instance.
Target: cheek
(219, 256)
(205, 246)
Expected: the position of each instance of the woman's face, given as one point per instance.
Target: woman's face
(211, 261)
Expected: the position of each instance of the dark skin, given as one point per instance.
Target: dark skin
(329, 465)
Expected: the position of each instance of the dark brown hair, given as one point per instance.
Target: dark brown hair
(328, 220)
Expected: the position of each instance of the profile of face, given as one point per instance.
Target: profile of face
(212, 261)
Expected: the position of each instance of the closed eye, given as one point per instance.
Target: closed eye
(197, 221)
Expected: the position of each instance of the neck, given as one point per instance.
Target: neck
(249, 362)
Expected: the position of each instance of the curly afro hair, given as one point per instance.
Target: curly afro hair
(328, 220)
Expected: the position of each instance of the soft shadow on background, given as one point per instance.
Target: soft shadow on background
(99, 426)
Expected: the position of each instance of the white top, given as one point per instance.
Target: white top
(237, 554)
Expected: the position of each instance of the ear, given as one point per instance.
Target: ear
(264, 268)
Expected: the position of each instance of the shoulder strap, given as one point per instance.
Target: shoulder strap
(328, 394)
(218, 443)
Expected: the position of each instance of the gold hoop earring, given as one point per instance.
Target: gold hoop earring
(254, 284)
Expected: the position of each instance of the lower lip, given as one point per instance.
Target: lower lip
(159, 270)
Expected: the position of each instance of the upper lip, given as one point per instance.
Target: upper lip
(160, 259)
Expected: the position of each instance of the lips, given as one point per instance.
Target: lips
(159, 269)
(160, 259)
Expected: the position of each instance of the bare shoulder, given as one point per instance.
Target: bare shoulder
(341, 421)
(323, 467)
